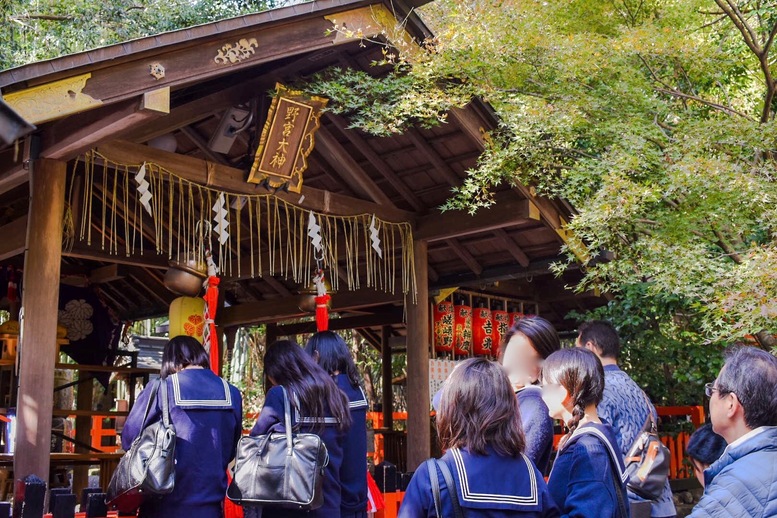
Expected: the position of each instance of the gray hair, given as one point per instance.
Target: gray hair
(751, 374)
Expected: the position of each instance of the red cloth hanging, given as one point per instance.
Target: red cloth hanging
(322, 312)
(211, 302)
(375, 500)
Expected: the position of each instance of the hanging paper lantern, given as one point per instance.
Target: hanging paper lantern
(482, 332)
(515, 316)
(462, 333)
(442, 316)
(501, 327)
(186, 317)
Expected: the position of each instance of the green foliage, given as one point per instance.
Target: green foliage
(663, 346)
(34, 30)
(654, 118)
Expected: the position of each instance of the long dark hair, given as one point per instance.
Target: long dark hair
(285, 363)
(333, 355)
(181, 352)
(540, 332)
(580, 372)
(478, 408)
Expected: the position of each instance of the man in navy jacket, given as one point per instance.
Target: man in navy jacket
(743, 410)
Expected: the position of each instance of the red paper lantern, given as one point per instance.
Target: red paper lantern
(501, 327)
(514, 317)
(482, 332)
(462, 334)
(443, 326)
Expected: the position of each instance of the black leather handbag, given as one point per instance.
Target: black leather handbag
(284, 470)
(648, 462)
(148, 468)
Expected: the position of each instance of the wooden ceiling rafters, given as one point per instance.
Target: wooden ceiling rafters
(403, 177)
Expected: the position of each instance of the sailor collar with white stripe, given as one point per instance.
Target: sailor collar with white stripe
(359, 403)
(188, 396)
(310, 420)
(469, 496)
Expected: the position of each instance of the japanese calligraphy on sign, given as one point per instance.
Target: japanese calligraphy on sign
(287, 139)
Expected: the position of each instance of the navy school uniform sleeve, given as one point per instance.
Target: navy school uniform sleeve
(134, 423)
(418, 501)
(589, 492)
(271, 414)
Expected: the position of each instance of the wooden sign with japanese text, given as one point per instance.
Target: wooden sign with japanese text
(287, 139)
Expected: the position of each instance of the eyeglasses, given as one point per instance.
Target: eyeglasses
(709, 388)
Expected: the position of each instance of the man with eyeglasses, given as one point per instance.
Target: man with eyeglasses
(743, 410)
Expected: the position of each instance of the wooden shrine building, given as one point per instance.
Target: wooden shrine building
(189, 107)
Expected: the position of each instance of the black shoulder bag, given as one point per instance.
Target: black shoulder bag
(431, 466)
(148, 468)
(283, 470)
(648, 461)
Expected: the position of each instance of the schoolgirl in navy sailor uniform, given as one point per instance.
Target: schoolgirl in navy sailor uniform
(207, 414)
(529, 341)
(332, 355)
(479, 427)
(587, 478)
(318, 406)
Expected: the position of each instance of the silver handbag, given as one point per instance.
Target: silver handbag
(284, 470)
(148, 468)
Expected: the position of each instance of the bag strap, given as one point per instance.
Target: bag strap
(287, 422)
(446, 474)
(650, 423)
(151, 400)
(165, 403)
(431, 466)
(624, 513)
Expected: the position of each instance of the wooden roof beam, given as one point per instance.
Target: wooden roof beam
(509, 209)
(152, 284)
(512, 247)
(233, 180)
(439, 164)
(68, 137)
(200, 143)
(465, 256)
(496, 273)
(275, 309)
(377, 162)
(328, 147)
(395, 316)
(472, 122)
(14, 240)
(277, 286)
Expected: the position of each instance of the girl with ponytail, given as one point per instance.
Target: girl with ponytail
(587, 476)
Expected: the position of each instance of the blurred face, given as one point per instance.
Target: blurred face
(521, 361)
(556, 397)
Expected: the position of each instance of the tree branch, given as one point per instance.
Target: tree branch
(683, 95)
(724, 244)
(741, 24)
(52, 17)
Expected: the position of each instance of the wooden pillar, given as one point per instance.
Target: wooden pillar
(388, 393)
(418, 402)
(39, 326)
